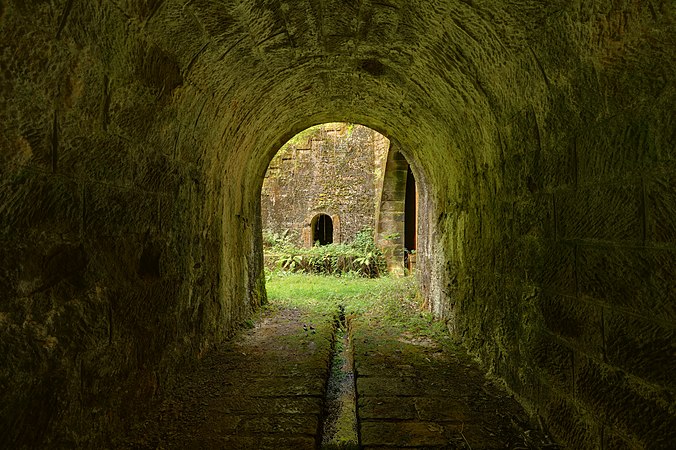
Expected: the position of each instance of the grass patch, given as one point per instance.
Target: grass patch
(321, 294)
(384, 301)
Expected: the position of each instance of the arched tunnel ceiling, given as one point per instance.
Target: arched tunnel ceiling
(434, 75)
(437, 77)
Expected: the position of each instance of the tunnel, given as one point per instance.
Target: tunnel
(135, 138)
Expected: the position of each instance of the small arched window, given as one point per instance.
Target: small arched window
(322, 229)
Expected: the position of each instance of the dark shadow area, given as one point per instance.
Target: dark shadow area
(410, 221)
(322, 230)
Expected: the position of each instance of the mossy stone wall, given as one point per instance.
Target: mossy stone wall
(134, 141)
(335, 169)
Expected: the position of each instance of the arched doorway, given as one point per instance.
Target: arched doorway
(410, 221)
(322, 229)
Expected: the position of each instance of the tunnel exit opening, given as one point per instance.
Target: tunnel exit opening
(324, 186)
(343, 183)
(339, 199)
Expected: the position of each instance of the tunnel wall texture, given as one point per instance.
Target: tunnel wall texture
(109, 221)
(136, 134)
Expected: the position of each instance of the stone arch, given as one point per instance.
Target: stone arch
(390, 224)
(322, 229)
(307, 234)
(430, 274)
(432, 267)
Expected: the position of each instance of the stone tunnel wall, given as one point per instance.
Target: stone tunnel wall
(134, 142)
(110, 248)
(563, 278)
(335, 169)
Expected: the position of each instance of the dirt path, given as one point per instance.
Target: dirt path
(266, 390)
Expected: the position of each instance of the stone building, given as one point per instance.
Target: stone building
(324, 185)
(136, 135)
(334, 180)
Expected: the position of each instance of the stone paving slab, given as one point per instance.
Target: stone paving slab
(262, 405)
(387, 408)
(415, 392)
(404, 434)
(262, 390)
(265, 390)
(389, 387)
(254, 442)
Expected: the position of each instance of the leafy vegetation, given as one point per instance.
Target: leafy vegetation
(302, 137)
(360, 257)
(275, 240)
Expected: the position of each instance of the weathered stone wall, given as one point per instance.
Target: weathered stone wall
(390, 211)
(334, 169)
(110, 248)
(134, 142)
(565, 276)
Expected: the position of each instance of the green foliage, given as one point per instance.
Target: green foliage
(303, 136)
(360, 257)
(363, 241)
(392, 236)
(385, 300)
(274, 240)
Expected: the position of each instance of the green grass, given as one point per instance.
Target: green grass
(321, 294)
(381, 301)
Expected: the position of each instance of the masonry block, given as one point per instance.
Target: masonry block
(112, 211)
(157, 173)
(36, 203)
(112, 162)
(553, 359)
(661, 212)
(557, 272)
(642, 281)
(555, 167)
(606, 213)
(613, 399)
(642, 347)
(565, 419)
(604, 155)
(578, 322)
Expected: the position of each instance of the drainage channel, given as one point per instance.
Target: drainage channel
(339, 430)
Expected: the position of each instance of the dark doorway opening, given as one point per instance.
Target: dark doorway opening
(410, 221)
(322, 230)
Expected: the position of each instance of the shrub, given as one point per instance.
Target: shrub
(360, 257)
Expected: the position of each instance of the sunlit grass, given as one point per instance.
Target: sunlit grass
(386, 300)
